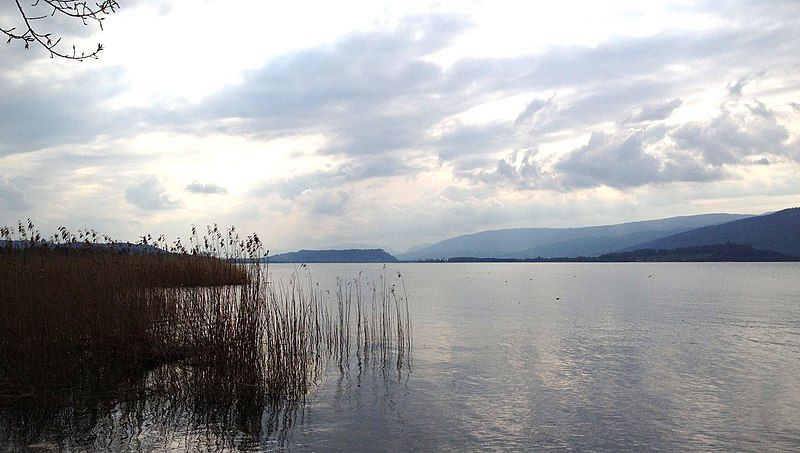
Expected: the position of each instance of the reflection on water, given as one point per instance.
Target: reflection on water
(176, 408)
(246, 397)
(650, 356)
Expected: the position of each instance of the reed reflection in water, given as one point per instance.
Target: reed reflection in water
(233, 398)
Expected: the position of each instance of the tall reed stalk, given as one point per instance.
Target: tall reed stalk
(78, 314)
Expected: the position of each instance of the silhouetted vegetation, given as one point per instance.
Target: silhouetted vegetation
(83, 317)
(716, 253)
(707, 253)
(32, 17)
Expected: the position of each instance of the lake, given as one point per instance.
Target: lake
(531, 356)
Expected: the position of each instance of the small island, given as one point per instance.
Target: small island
(334, 256)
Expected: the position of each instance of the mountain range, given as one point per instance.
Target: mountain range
(779, 231)
(564, 242)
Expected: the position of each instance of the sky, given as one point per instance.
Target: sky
(393, 124)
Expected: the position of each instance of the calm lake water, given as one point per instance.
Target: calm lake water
(529, 356)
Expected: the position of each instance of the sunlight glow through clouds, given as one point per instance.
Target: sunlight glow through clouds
(190, 49)
(234, 162)
(506, 28)
(503, 109)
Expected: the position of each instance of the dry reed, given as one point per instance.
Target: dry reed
(78, 314)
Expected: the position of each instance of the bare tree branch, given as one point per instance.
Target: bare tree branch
(79, 10)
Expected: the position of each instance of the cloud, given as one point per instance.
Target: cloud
(387, 113)
(11, 196)
(469, 140)
(532, 110)
(734, 134)
(621, 161)
(656, 112)
(368, 92)
(350, 171)
(634, 156)
(376, 93)
(735, 87)
(205, 189)
(39, 113)
(327, 203)
(518, 170)
(150, 194)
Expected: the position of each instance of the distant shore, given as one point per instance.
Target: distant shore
(707, 253)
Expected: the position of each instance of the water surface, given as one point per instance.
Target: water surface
(521, 356)
(590, 356)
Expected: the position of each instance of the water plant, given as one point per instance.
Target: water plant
(82, 313)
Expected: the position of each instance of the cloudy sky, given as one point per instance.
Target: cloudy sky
(397, 123)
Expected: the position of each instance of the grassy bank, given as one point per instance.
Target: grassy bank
(77, 315)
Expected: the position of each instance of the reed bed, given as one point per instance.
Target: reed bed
(80, 315)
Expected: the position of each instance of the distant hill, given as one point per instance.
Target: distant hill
(359, 246)
(121, 247)
(703, 253)
(414, 248)
(779, 231)
(334, 256)
(563, 242)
